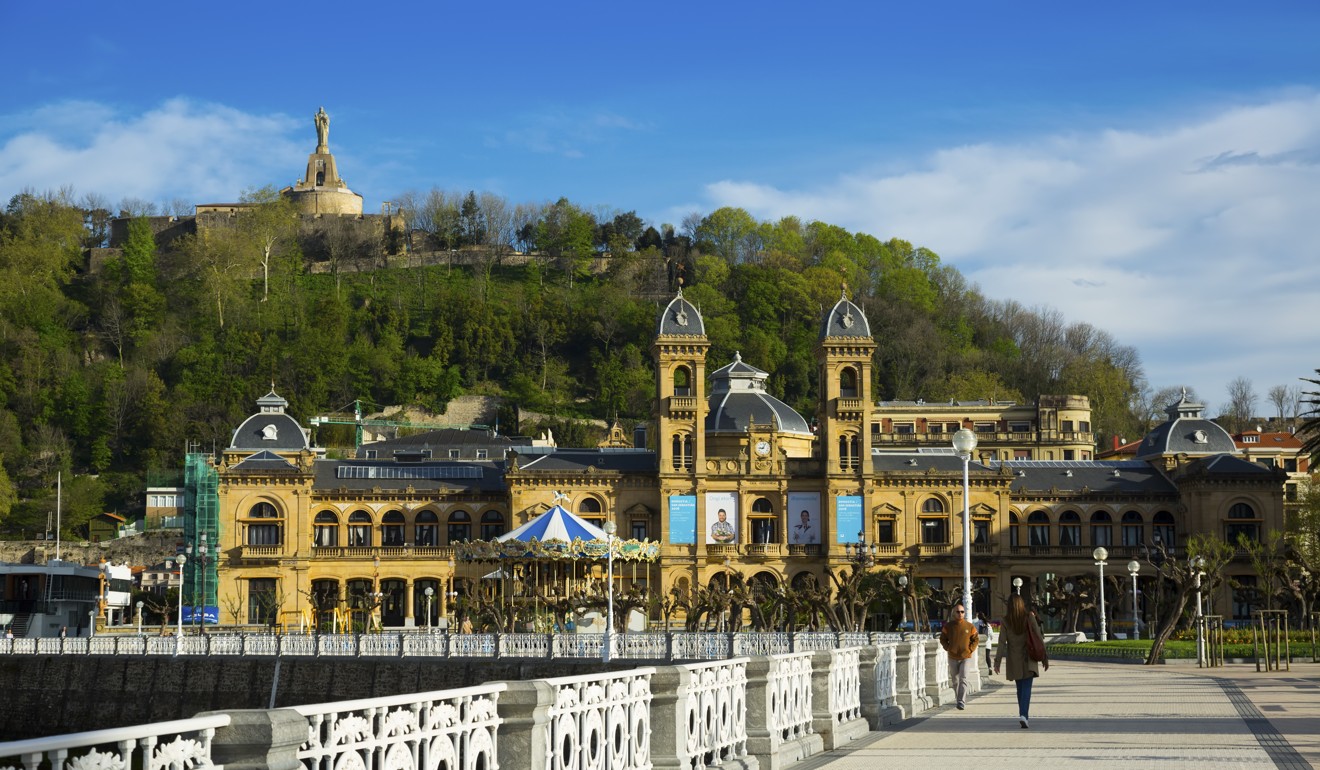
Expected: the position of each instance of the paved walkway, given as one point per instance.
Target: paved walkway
(1112, 715)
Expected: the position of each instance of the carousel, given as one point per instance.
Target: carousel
(555, 574)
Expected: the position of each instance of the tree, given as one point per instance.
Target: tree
(268, 228)
(8, 496)
(728, 233)
(1180, 575)
(1241, 404)
(1310, 430)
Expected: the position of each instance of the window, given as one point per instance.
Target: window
(1066, 426)
(1021, 454)
(1070, 528)
(326, 526)
(1069, 454)
(934, 531)
(935, 427)
(848, 383)
(264, 531)
(1014, 536)
(984, 427)
(682, 381)
(1251, 438)
(492, 525)
(590, 509)
(763, 522)
(848, 451)
(1244, 596)
(1290, 464)
(1019, 427)
(1162, 530)
(391, 528)
(453, 454)
(263, 602)
(426, 529)
(1102, 529)
(1290, 492)
(1084, 426)
(483, 454)
(1038, 529)
(905, 428)
(460, 527)
(884, 531)
(639, 529)
(1133, 528)
(1242, 522)
(980, 532)
(359, 528)
(932, 505)
(682, 452)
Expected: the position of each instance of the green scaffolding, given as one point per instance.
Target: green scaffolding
(201, 532)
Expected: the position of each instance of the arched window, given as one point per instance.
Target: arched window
(1070, 529)
(426, 529)
(391, 528)
(590, 509)
(682, 381)
(682, 451)
(263, 529)
(1102, 529)
(763, 522)
(325, 600)
(1242, 522)
(359, 528)
(1133, 529)
(1165, 533)
(326, 526)
(849, 449)
(460, 527)
(932, 505)
(1014, 536)
(492, 525)
(1038, 529)
(934, 522)
(848, 383)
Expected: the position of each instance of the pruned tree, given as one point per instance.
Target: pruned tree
(1179, 575)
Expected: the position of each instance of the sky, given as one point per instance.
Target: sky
(1152, 169)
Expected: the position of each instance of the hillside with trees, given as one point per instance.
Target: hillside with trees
(108, 375)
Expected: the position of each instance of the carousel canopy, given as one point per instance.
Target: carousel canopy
(555, 524)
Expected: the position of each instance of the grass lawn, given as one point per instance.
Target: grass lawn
(1173, 649)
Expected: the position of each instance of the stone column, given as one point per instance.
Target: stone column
(768, 698)
(259, 739)
(911, 697)
(524, 707)
(938, 686)
(835, 697)
(879, 699)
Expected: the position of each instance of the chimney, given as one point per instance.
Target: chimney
(1116, 442)
(639, 435)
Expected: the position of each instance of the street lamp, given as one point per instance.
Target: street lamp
(430, 592)
(449, 594)
(1134, 568)
(1017, 585)
(1100, 554)
(139, 617)
(203, 561)
(902, 587)
(964, 442)
(181, 559)
(609, 592)
(1199, 565)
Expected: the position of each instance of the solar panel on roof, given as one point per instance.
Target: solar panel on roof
(408, 472)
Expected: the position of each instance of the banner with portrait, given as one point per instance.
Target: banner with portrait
(803, 518)
(721, 518)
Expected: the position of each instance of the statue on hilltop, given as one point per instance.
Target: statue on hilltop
(322, 129)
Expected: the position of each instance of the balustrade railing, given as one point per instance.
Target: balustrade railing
(600, 716)
(175, 744)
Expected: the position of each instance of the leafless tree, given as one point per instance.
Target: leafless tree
(1241, 403)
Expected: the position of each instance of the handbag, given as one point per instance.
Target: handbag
(1035, 644)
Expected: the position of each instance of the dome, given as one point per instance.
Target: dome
(270, 428)
(845, 320)
(1186, 432)
(738, 400)
(680, 317)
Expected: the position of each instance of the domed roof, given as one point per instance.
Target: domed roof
(845, 320)
(738, 399)
(680, 317)
(270, 428)
(1186, 432)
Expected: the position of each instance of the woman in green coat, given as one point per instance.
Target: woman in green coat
(1022, 670)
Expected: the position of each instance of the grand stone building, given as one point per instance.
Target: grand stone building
(730, 480)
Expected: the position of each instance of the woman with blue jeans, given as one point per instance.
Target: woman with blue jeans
(1021, 670)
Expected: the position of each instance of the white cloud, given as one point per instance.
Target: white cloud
(1195, 243)
(182, 149)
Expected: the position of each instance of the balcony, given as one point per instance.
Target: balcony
(443, 552)
(935, 549)
(762, 550)
(850, 406)
(262, 551)
(716, 551)
(801, 550)
(682, 404)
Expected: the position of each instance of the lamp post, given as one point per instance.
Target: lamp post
(964, 443)
(203, 561)
(181, 559)
(902, 587)
(609, 593)
(1017, 585)
(376, 595)
(139, 617)
(863, 556)
(105, 591)
(1134, 568)
(1199, 565)
(1100, 554)
(450, 594)
(430, 592)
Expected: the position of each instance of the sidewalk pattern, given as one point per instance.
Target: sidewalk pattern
(1098, 715)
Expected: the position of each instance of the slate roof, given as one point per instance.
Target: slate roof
(1100, 477)
(454, 477)
(270, 428)
(265, 462)
(1186, 432)
(845, 320)
(613, 459)
(738, 399)
(681, 317)
(441, 440)
(939, 460)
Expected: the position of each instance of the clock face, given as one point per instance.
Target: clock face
(763, 448)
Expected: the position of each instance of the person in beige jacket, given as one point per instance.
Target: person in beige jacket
(1021, 670)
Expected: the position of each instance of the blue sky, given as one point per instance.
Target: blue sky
(1150, 168)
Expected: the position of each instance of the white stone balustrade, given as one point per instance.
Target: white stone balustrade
(779, 710)
(837, 697)
(177, 744)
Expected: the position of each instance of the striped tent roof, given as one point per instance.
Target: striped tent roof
(555, 524)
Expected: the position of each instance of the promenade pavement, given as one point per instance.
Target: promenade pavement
(1111, 715)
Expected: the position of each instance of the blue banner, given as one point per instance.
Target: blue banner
(201, 615)
(683, 519)
(847, 518)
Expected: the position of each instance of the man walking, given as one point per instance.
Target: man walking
(959, 639)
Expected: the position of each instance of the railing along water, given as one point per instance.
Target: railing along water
(170, 745)
(600, 721)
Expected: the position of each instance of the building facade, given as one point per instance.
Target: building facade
(734, 481)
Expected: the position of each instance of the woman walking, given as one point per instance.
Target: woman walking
(1022, 670)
